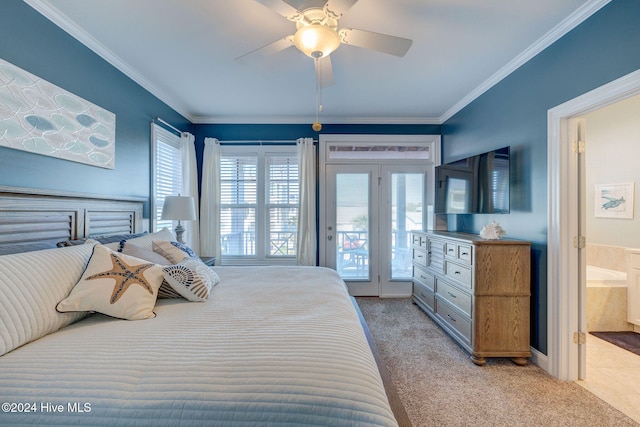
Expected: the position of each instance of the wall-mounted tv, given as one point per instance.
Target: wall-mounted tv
(474, 185)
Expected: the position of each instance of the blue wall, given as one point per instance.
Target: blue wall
(291, 132)
(514, 112)
(33, 43)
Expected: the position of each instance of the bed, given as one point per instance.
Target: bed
(270, 346)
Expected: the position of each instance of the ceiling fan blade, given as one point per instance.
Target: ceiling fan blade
(324, 72)
(282, 8)
(338, 7)
(268, 50)
(392, 45)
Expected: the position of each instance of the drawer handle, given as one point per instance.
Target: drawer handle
(451, 295)
(451, 318)
(456, 272)
(465, 253)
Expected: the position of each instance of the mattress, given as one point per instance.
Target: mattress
(271, 346)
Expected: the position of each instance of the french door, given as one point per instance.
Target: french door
(369, 213)
(374, 189)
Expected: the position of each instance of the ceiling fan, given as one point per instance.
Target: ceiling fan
(317, 36)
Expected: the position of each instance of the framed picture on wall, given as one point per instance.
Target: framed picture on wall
(614, 200)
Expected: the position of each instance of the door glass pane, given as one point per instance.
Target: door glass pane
(407, 203)
(352, 225)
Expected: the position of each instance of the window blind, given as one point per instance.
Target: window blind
(167, 172)
(259, 195)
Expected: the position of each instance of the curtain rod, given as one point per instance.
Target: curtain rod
(262, 141)
(168, 125)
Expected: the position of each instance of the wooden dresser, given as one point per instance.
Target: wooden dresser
(477, 290)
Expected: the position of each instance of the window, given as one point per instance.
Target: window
(167, 172)
(259, 203)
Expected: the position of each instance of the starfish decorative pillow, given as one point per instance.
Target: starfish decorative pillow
(117, 285)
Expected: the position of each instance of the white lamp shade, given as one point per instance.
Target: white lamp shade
(316, 40)
(181, 208)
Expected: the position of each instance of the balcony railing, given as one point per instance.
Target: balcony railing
(243, 243)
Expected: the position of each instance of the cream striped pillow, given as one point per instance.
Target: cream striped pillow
(31, 284)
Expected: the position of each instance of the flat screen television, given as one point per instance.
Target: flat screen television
(474, 185)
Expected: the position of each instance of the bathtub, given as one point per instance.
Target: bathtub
(606, 300)
(602, 277)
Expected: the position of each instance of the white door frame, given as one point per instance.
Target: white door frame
(563, 318)
(433, 141)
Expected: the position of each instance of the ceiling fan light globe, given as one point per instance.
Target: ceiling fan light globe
(316, 40)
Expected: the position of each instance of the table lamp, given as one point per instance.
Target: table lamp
(180, 208)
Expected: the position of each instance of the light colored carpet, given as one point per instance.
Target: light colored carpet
(440, 386)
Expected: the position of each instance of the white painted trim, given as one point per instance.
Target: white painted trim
(568, 24)
(562, 258)
(310, 119)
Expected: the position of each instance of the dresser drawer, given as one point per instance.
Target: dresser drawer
(460, 323)
(464, 253)
(455, 297)
(459, 273)
(450, 249)
(419, 257)
(459, 252)
(423, 277)
(419, 241)
(426, 296)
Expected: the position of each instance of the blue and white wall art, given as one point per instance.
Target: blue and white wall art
(40, 117)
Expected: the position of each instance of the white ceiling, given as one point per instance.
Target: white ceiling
(184, 51)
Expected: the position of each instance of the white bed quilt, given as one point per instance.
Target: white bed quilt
(272, 346)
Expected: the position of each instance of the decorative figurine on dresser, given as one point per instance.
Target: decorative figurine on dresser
(477, 290)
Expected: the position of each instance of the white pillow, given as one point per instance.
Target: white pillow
(145, 254)
(31, 284)
(146, 240)
(117, 285)
(191, 278)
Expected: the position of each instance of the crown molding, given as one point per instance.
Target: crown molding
(311, 119)
(45, 8)
(569, 23)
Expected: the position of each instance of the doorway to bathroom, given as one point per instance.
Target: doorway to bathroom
(612, 230)
(566, 356)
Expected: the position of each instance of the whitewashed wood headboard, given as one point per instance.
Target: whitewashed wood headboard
(32, 218)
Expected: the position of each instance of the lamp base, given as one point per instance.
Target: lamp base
(179, 232)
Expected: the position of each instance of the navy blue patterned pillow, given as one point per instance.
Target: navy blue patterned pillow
(185, 249)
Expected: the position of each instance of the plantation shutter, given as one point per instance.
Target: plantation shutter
(167, 172)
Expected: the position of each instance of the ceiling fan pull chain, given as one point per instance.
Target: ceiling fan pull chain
(317, 126)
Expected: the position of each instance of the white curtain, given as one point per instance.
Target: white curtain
(307, 236)
(210, 203)
(190, 188)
